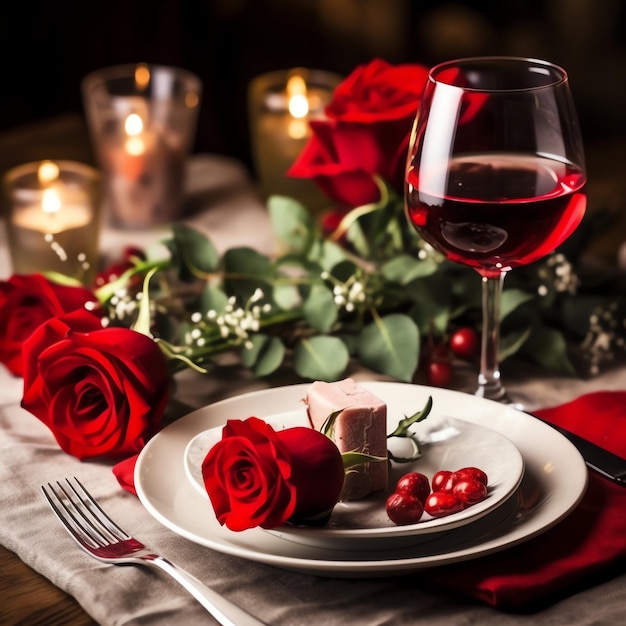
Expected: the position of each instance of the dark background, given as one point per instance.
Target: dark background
(46, 49)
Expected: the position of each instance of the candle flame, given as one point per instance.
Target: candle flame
(191, 100)
(142, 77)
(134, 127)
(297, 94)
(133, 124)
(50, 203)
(47, 172)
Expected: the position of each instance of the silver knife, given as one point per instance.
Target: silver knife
(598, 459)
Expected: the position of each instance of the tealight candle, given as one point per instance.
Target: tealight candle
(54, 218)
(142, 120)
(281, 105)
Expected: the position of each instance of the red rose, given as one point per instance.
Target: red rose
(130, 256)
(26, 302)
(101, 391)
(367, 133)
(256, 476)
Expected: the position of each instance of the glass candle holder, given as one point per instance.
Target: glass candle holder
(53, 218)
(142, 121)
(280, 106)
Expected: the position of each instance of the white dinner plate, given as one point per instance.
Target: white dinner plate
(554, 481)
(445, 442)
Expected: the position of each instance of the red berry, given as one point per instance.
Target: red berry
(440, 504)
(440, 480)
(415, 484)
(465, 343)
(403, 508)
(470, 491)
(474, 473)
(439, 373)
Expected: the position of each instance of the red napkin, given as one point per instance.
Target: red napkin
(589, 542)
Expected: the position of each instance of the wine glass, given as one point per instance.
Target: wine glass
(495, 175)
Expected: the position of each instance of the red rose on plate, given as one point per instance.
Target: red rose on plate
(101, 391)
(25, 302)
(366, 133)
(256, 476)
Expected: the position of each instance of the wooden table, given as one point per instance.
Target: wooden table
(28, 598)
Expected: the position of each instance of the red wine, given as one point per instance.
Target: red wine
(494, 212)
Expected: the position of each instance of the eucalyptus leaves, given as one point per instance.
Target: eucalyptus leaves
(372, 291)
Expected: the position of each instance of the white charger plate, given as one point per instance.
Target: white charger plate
(555, 479)
(447, 443)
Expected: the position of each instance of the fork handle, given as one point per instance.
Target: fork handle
(224, 611)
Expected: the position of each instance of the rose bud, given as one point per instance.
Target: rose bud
(256, 476)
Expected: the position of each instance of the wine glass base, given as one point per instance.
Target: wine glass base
(499, 394)
(503, 397)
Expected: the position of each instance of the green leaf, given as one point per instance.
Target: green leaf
(286, 296)
(265, 355)
(321, 358)
(328, 254)
(328, 427)
(432, 298)
(350, 459)
(402, 429)
(512, 299)
(173, 353)
(144, 319)
(245, 270)
(405, 268)
(212, 298)
(195, 254)
(291, 221)
(390, 345)
(62, 279)
(320, 309)
(547, 347)
(512, 342)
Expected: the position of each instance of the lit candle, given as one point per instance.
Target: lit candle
(281, 106)
(142, 120)
(54, 218)
(136, 147)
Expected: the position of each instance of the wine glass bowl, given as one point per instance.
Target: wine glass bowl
(495, 175)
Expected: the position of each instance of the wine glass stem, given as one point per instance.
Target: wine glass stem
(489, 383)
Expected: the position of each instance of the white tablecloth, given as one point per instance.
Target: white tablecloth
(231, 215)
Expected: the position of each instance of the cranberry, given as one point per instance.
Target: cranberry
(415, 484)
(440, 504)
(471, 473)
(439, 373)
(470, 491)
(404, 508)
(440, 480)
(465, 343)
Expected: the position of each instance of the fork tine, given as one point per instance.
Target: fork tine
(68, 519)
(82, 516)
(91, 505)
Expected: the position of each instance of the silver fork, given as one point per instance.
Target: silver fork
(98, 535)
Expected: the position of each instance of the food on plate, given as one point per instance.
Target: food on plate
(359, 424)
(452, 491)
(404, 508)
(442, 503)
(415, 484)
